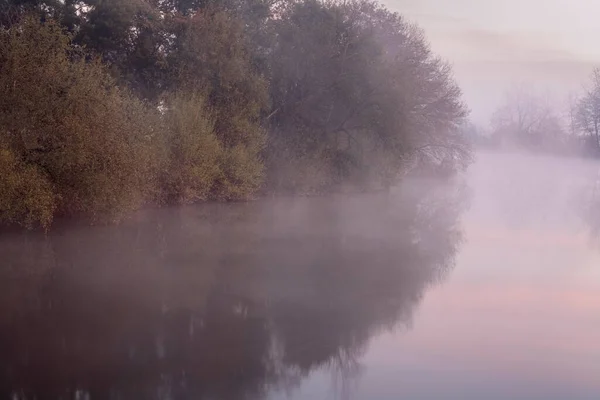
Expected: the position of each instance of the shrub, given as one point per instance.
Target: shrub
(199, 165)
(211, 55)
(70, 127)
(27, 197)
(194, 152)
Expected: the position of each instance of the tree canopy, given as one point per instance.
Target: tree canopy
(356, 92)
(112, 104)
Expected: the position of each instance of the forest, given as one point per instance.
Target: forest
(108, 106)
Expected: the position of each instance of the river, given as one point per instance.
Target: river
(486, 287)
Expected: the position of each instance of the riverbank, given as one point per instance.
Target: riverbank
(128, 118)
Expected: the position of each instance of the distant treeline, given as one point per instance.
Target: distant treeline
(527, 120)
(110, 105)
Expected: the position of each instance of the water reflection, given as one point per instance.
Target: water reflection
(519, 317)
(218, 301)
(589, 204)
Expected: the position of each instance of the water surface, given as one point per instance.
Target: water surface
(487, 287)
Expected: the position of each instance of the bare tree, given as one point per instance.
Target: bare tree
(587, 117)
(526, 119)
(571, 110)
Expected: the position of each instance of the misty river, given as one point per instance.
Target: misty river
(486, 287)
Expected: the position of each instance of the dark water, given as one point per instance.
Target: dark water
(435, 291)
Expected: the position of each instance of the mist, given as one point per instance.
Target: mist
(269, 200)
(232, 301)
(548, 45)
(274, 299)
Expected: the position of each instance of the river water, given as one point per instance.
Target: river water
(486, 287)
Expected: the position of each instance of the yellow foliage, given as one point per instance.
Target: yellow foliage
(193, 149)
(26, 195)
(65, 116)
(199, 166)
(242, 173)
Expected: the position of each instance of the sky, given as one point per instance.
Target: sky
(546, 46)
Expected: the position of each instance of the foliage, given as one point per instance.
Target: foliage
(120, 103)
(65, 119)
(26, 194)
(194, 152)
(196, 164)
(359, 87)
(128, 35)
(210, 55)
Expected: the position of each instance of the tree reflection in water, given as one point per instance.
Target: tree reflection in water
(586, 202)
(218, 301)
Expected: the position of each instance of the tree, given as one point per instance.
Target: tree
(27, 196)
(211, 56)
(356, 91)
(527, 120)
(571, 110)
(86, 144)
(587, 116)
(186, 100)
(193, 150)
(476, 134)
(130, 36)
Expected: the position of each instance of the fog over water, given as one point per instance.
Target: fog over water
(484, 287)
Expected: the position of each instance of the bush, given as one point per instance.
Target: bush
(27, 197)
(70, 127)
(241, 172)
(199, 166)
(194, 151)
(211, 56)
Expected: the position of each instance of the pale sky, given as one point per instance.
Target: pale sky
(551, 45)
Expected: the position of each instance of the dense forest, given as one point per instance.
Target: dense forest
(111, 105)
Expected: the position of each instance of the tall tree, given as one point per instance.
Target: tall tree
(210, 55)
(356, 91)
(587, 116)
